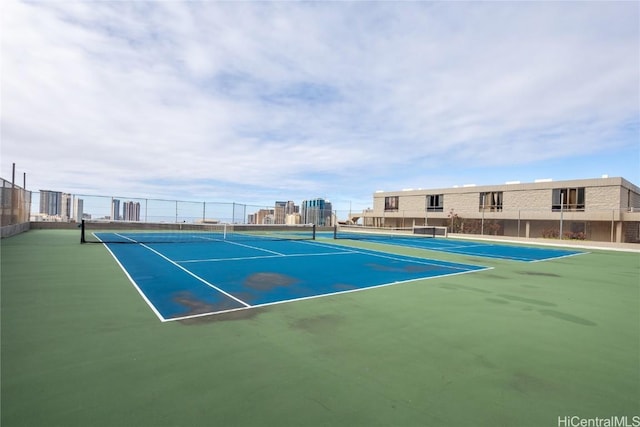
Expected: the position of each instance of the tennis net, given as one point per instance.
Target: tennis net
(95, 231)
(357, 232)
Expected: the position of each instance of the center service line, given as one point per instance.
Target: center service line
(196, 276)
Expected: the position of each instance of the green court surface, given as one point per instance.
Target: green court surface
(516, 345)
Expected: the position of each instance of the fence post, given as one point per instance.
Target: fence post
(561, 213)
(482, 222)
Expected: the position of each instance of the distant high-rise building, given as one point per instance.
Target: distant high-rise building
(291, 208)
(264, 216)
(278, 212)
(115, 209)
(78, 206)
(50, 202)
(282, 209)
(66, 207)
(293, 219)
(131, 211)
(317, 211)
(55, 204)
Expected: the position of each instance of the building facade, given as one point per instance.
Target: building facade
(115, 209)
(78, 209)
(283, 209)
(50, 202)
(131, 211)
(263, 216)
(55, 205)
(602, 209)
(317, 211)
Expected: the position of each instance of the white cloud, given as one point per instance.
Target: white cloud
(311, 97)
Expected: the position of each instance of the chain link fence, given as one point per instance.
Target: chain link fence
(20, 206)
(16, 208)
(73, 208)
(614, 225)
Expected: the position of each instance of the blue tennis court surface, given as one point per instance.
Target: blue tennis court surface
(183, 280)
(466, 247)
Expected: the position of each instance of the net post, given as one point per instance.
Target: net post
(313, 237)
(82, 239)
(335, 231)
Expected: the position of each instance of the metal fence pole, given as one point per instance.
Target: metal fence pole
(482, 222)
(561, 213)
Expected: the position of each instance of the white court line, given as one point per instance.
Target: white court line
(414, 260)
(508, 258)
(445, 248)
(195, 276)
(125, 237)
(261, 257)
(135, 285)
(246, 306)
(254, 247)
(441, 248)
(324, 295)
(456, 250)
(559, 257)
(512, 258)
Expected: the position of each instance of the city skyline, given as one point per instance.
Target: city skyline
(48, 205)
(201, 101)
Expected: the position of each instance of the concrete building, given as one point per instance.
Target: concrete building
(263, 216)
(50, 202)
(78, 209)
(602, 209)
(293, 219)
(283, 209)
(317, 211)
(55, 205)
(115, 209)
(131, 211)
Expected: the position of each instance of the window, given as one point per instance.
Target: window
(435, 202)
(391, 203)
(491, 201)
(567, 199)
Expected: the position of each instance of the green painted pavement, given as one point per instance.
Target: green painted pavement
(518, 345)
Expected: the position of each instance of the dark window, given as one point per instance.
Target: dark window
(491, 201)
(391, 203)
(435, 203)
(567, 199)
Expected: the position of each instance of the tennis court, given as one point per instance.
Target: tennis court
(519, 344)
(454, 246)
(188, 279)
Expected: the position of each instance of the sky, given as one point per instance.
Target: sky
(253, 102)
